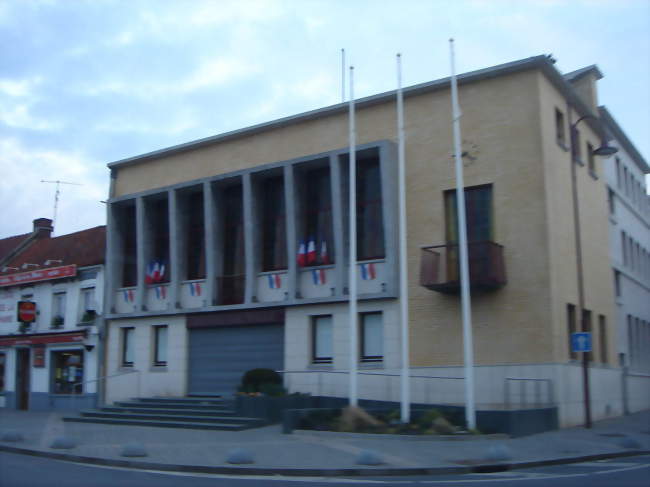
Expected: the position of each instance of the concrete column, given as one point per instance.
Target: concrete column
(114, 260)
(338, 223)
(209, 222)
(290, 210)
(250, 234)
(176, 250)
(140, 232)
(389, 178)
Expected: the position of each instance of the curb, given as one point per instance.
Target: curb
(437, 438)
(320, 472)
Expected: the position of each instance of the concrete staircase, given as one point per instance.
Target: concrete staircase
(205, 413)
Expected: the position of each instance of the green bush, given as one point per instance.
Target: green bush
(255, 379)
(427, 418)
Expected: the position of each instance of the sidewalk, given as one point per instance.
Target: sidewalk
(313, 453)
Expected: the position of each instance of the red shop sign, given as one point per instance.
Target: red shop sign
(26, 311)
(39, 275)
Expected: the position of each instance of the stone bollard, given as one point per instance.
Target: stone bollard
(133, 450)
(63, 443)
(240, 456)
(369, 457)
(498, 453)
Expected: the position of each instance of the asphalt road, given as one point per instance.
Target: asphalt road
(28, 471)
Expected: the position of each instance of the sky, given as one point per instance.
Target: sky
(85, 83)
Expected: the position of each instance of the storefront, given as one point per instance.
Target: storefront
(47, 371)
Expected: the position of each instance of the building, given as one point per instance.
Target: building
(51, 362)
(230, 252)
(629, 234)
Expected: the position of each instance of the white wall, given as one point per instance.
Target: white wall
(147, 380)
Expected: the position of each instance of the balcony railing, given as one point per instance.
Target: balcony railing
(231, 289)
(440, 267)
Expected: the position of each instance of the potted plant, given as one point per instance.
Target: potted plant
(57, 321)
(88, 316)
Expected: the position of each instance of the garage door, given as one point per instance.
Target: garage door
(220, 356)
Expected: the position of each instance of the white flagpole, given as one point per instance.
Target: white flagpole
(342, 75)
(353, 249)
(405, 406)
(468, 348)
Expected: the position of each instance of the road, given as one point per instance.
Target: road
(28, 471)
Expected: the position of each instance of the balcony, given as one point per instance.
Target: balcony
(440, 269)
(231, 289)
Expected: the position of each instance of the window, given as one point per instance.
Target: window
(618, 173)
(195, 249)
(576, 146)
(127, 347)
(58, 310)
(127, 231)
(87, 303)
(322, 339)
(571, 328)
(602, 334)
(316, 222)
(372, 337)
(67, 372)
(626, 181)
(624, 247)
(370, 224)
(591, 160)
(617, 284)
(158, 230)
(231, 283)
(560, 131)
(586, 328)
(160, 345)
(611, 201)
(3, 363)
(274, 233)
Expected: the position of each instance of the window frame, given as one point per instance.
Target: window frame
(560, 128)
(571, 328)
(602, 337)
(3, 370)
(363, 357)
(157, 329)
(54, 366)
(127, 334)
(315, 359)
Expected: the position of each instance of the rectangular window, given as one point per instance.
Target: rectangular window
(322, 339)
(372, 337)
(576, 146)
(67, 372)
(479, 226)
(617, 283)
(58, 310)
(591, 160)
(602, 334)
(274, 232)
(611, 202)
(3, 367)
(231, 283)
(624, 248)
(158, 266)
(195, 249)
(618, 173)
(560, 130)
(127, 347)
(316, 221)
(571, 328)
(160, 345)
(370, 224)
(128, 234)
(586, 328)
(631, 342)
(87, 305)
(626, 181)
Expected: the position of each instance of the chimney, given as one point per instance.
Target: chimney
(43, 228)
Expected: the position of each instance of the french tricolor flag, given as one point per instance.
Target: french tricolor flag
(324, 256)
(128, 295)
(302, 254)
(195, 288)
(318, 276)
(311, 251)
(275, 281)
(161, 292)
(368, 272)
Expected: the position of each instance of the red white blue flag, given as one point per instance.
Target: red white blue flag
(302, 254)
(368, 272)
(311, 251)
(161, 292)
(318, 276)
(275, 281)
(155, 272)
(195, 288)
(128, 295)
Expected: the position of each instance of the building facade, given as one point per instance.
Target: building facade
(629, 232)
(51, 362)
(230, 252)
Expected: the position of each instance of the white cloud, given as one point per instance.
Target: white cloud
(19, 116)
(23, 197)
(18, 88)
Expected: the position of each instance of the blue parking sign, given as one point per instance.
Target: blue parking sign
(581, 342)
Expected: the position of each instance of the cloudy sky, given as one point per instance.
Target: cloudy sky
(84, 83)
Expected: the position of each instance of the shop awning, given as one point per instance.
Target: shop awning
(42, 338)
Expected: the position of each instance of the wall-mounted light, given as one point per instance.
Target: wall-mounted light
(27, 265)
(53, 261)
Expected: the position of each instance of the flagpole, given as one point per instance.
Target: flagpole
(405, 405)
(468, 348)
(353, 249)
(342, 75)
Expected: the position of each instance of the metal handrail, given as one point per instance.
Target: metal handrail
(73, 396)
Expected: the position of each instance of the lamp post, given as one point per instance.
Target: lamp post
(603, 150)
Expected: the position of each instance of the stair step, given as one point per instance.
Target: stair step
(180, 412)
(172, 418)
(160, 424)
(166, 405)
(182, 400)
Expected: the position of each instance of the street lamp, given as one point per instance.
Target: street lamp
(603, 150)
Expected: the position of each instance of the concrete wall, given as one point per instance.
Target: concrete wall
(144, 379)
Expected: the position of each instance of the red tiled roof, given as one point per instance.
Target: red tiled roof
(7, 245)
(84, 248)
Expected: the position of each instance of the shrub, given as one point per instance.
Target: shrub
(255, 379)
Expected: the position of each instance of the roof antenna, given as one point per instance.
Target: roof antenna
(56, 195)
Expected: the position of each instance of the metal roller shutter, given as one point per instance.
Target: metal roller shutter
(220, 356)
